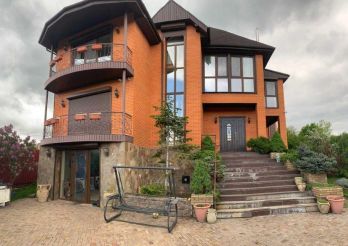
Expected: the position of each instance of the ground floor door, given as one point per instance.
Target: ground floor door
(80, 175)
(232, 134)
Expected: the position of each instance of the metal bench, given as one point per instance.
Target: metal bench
(118, 203)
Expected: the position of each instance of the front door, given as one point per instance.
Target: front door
(232, 134)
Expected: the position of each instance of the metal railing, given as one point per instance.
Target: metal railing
(96, 123)
(95, 53)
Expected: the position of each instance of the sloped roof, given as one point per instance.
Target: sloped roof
(270, 74)
(173, 12)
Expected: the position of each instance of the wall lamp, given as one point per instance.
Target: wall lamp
(106, 151)
(117, 95)
(215, 120)
(48, 153)
(62, 103)
(248, 120)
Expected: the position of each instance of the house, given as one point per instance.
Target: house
(111, 63)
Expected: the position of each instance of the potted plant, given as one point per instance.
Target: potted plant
(81, 49)
(336, 203)
(201, 185)
(314, 165)
(301, 186)
(277, 146)
(298, 180)
(324, 190)
(97, 46)
(323, 205)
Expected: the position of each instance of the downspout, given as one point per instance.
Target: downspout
(125, 47)
(46, 101)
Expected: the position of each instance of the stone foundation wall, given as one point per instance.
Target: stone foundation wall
(45, 173)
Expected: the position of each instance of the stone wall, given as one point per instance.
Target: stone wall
(46, 167)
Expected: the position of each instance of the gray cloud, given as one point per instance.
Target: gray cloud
(311, 38)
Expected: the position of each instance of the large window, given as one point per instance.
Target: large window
(271, 94)
(229, 74)
(175, 86)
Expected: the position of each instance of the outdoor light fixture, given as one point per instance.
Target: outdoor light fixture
(248, 120)
(106, 151)
(117, 30)
(215, 120)
(62, 103)
(48, 152)
(116, 93)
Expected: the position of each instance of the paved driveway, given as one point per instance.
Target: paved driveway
(27, 222)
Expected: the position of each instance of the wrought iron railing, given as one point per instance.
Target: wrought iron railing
(95, 53)
(95, 123)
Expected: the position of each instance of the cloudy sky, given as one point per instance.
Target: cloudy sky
(311, 38)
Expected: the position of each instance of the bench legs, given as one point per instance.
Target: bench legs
(171, 225)
(112, 202)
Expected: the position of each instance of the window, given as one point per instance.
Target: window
(175, 87)
(271, 94)
(229, 74)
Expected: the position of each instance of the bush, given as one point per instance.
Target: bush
(293, 139)
(208, 156)
(313, 162)
(291, 156)
(153, 190)
(207, 144)
(277, 144)
(201, 180)
(260, 145)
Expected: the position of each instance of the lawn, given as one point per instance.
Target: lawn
(23, 192)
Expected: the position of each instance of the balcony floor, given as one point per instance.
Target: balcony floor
(86, 139)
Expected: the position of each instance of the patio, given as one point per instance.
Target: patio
(27, 222)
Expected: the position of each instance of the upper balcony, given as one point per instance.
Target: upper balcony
(89, 64)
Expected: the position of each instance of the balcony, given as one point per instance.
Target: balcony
(90, 64)
(88, 127)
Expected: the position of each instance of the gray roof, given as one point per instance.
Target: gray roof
(270, 74)
(173, 12)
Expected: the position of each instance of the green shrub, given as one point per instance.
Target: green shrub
(153, 190)
(293, 138)
(201, 180)
(260, 145)
(208, 156)
(343, 173)
(291, 156)
(207, 144)
(277, 144)
(313, 162)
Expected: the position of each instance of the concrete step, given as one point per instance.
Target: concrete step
(258, 174)
(255, 190)
(265, 203)
(272, 210)
(242, 155)
(254, 177)
(255, 169)
(234, 184)
(251, 164)
(263, 196)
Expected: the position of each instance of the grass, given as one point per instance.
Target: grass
(23, 192)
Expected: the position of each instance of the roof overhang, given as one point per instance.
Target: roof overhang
(274, 75)
(82, 15)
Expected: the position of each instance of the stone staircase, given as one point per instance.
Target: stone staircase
(255, 185)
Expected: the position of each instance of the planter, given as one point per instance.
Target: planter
(58, 58)
(79, 117)
(316, 178)
(5, 195)
(97, 46)
(336, 203)
(327, 191)
(211, 217)
(200, 199)
(95, 116)
(289, 166)
(81, 49)
(301, 187)
(298, 180)
(42, 192)
(276, 156)
(201, 210)
(323, 206)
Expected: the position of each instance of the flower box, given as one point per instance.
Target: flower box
(202, 199)
(51, 121)
(81, 49)
(97, 46)
(58, 58)
(323, 192)
(80, 117)
(95, 116)
(315, 178)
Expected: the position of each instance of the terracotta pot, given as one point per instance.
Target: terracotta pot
(201, 211)
(336, 203)
(324, 207)
(95, 116)
(97, 46)
(79, 117)
(81, 49)
(301, 187)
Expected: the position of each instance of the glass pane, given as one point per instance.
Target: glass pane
(249, 85)
(179, 104)
(236, 85)
(80, 176)
(222, 85)
(270, 88)
(248, 67)
(222, 66)
(91, 55)
(170, 82)
(180, 56)
(170, 98)
(271, 102)
(171, 56)
(180, 80)
(235, 61)
(209, 85)
(94, 176)
(65, 184)
(209, 66)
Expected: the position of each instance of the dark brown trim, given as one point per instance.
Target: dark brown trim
(87, 138)
(90, 93)
(173, 27)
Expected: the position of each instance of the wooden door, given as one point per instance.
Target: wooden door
(232, 134)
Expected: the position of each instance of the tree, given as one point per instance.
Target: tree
(340, 149)
(277, 144)
(16, 154)
(293, 138)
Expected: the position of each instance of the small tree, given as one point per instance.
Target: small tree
(201, 180)
(277, 144)
(293, 138)
(16, 154)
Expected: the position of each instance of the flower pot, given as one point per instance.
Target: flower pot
(95, 116)
(42, 192)
(211, 217)
(301, 187)
(97, 46)
(324, 207)
(202, 199)
(298, 180)
(327, 191)
(336, 203)
(81, 49)
(80, 117)
(201, 211)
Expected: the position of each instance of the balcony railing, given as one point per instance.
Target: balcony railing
(98, 123)
(95, 53)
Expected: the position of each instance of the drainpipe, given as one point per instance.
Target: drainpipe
(125, 34)
(46, 101)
